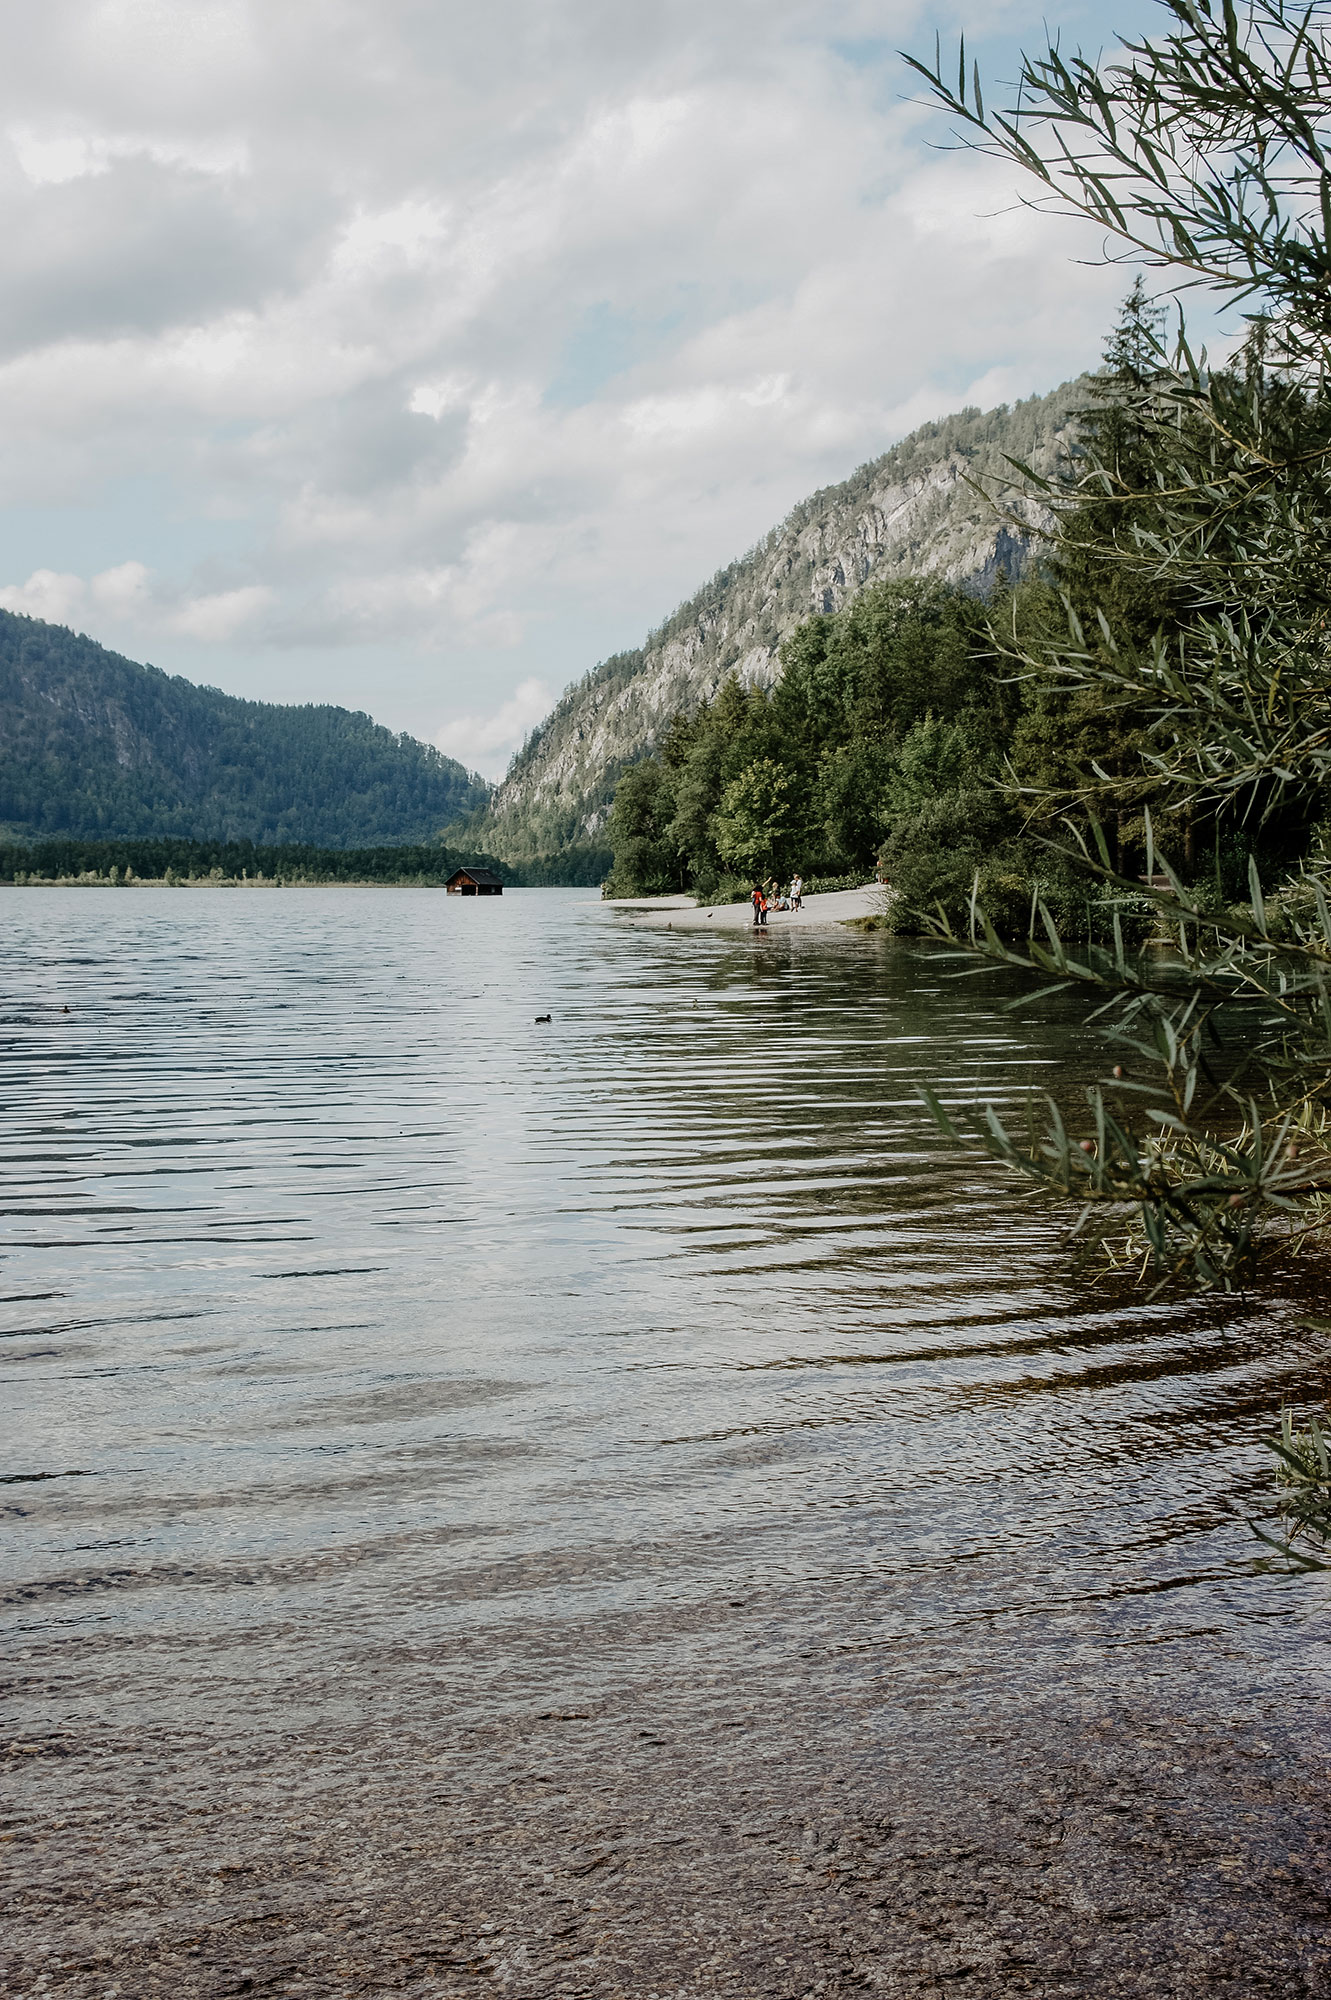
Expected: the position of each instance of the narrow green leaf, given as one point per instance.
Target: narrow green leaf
(1255, 895)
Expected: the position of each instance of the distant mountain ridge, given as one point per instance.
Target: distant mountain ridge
(909, 512)
(93, 745)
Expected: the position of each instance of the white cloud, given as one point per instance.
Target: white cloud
(485, 743)
(122, 591)
(469, 344)
(50, 156)
(128, 598)
(222, 615)
(51, 594)
(405, 234)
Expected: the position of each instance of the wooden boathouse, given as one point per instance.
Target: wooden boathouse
(474, 882)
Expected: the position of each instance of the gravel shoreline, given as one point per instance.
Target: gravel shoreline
(680, 1842)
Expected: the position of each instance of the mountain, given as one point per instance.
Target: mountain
(911, 512)
(93, 745)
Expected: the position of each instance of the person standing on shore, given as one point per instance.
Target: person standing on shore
(759, 902)
(796, 891)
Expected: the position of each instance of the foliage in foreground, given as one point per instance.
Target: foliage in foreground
(1206, 151)
(1303, 1494)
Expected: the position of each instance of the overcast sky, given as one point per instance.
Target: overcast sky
(416, 355)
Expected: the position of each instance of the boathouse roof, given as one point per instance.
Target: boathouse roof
(484, 878)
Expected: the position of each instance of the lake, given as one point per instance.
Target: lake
(614, 1505)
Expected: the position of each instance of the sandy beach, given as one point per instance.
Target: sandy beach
(682, 913)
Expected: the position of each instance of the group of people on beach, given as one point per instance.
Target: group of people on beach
(769, 895)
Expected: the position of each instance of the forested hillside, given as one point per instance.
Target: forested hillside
(915, 511)
(917, 731)
(93, 745)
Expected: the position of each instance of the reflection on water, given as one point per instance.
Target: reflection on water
(355, 1321)
(318, 1244)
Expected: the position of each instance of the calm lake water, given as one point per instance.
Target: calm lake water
(385, 1365)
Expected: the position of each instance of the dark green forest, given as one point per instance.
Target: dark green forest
(919, 733)
(183, 861)
(93, 746)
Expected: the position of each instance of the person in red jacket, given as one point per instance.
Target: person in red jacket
(759, 902)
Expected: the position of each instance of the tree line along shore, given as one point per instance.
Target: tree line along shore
(200, 863)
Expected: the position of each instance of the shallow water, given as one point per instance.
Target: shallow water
(379, 1360)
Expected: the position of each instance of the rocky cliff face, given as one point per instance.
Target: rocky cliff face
(915, 511)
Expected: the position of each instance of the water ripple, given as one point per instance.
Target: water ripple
(376, 1313)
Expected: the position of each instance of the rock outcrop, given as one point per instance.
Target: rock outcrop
(944, 502)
